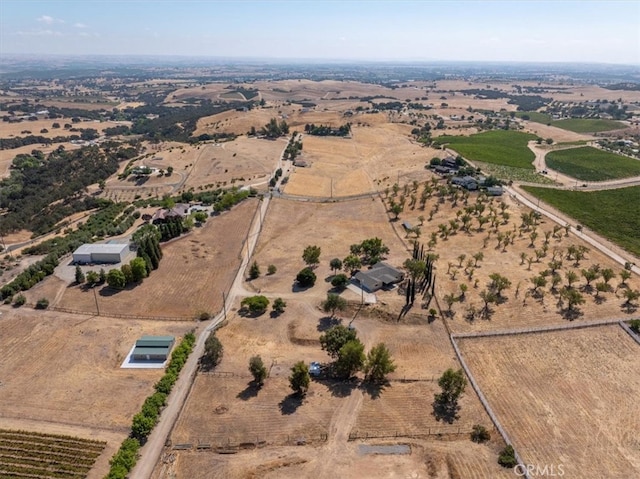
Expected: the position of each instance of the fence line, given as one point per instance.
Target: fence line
(431, 431)
(536, 329)
(121, 315)
(227, 445)
(633, 335)
(486, 406)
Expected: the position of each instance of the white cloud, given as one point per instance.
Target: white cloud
(80, 25)
(39, 33)
(48, 20)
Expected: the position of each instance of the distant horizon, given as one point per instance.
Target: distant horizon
(527, 31)
(285, 60)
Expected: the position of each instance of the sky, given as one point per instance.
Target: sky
(420, 30)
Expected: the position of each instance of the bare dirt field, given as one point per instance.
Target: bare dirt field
(557, 134)
(60, 374)
(290, 226)
(193, 273)
(565, 398)
(428, 459)
(224, 410)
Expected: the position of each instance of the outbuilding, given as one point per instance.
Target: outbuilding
(381, 275)
(153, 348)
(109, 253)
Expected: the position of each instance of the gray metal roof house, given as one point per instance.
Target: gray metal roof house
(380, 275)
(153, 348)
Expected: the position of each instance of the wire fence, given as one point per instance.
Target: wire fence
(440, 431)
(121, 315)
(233, 444)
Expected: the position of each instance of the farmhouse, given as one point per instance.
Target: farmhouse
(380, 275)
(162, 215)
(109, 253)
(152, 348)
(467, 182)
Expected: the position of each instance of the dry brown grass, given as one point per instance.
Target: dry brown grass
(10, 130)
(565, 397)
(519, 310)
(290, 226)
(66, 368)
(193, 273)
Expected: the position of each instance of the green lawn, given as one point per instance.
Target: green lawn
(591, 164)
(587, 125)
(613, 214)
(508, 148)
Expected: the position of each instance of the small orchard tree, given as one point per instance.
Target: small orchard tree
(452, 384)
(257, 370)
(278, 306)
(333, 303)
(306, 277)
(507, 457)
(271, 269)
(116, 279)
(79, 275)
(311, 255)
(340, 281)
(336, 337)
(299, 379)
(350, 359)
(480, 434)
(254, 270)
(378, 363)
(213, 351)
(256, 305)
(335, 264)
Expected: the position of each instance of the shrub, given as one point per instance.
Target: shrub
(340, 281)
(19, 300)
(204, 316)
(507, 457)
(43, 303)
(255, 304)
(306, 277)
(254, 271)
(480, 434)
(271, 269)
(635, 325)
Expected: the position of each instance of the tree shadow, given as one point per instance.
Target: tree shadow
(297, 287)
(374, 389)
(629, 308)
(327, 322)
(599, 299)
(341, 388)
(250, 391)
(571, 314)
(290, 404)
(445, 411)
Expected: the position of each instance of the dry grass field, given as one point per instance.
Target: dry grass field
(60, 374)
(193, 273)
(565, 397)
(11, 130)
(290, 226)
(428, 459)
(521, 308)
(223, 409)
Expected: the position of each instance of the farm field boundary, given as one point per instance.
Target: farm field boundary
(120, 315)
(486, 405)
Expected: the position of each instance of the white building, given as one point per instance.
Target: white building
(101, 253)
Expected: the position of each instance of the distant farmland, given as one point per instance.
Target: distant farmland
(591, 164)
(508, 148)
(613, 214)
(577, 125)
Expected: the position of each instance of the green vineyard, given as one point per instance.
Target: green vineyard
(28, 454)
